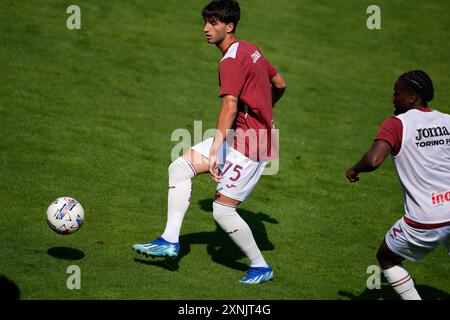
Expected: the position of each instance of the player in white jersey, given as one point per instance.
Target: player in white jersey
(418, 139)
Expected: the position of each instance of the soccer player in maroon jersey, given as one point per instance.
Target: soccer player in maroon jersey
(418, 138)
(242, 146)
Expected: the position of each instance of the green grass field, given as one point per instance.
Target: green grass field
(89, 114)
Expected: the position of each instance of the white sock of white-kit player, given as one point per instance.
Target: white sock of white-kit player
(401, 282)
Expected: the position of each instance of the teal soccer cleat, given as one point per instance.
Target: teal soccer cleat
(257, 275)
(158, 248)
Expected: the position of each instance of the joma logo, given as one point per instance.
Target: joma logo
(431, 132)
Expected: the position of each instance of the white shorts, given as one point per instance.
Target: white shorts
(240, 174)
(413, 243)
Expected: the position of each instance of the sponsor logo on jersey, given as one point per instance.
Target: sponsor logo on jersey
(438, 199)
(431, 132)
(434, 132)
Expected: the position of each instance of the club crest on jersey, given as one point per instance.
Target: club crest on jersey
(255, 56)
(431, 132)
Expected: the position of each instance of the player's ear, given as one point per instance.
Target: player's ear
(230, 27)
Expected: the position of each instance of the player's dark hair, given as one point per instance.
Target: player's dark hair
(226, 11)
(420, 83)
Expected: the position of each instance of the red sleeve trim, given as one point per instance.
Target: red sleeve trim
(391, 131)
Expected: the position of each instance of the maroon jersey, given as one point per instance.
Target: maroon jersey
(245, 73)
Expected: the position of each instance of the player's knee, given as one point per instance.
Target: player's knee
(387, 259)
(222, 211)
(173, 167)
(180, 168)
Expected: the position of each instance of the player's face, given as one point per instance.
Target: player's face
(401, 98)
(215, 31)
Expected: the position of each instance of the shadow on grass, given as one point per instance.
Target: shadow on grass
(219, 245)
(387, 293)
(167, 263)
(65, 253)
(8, 290)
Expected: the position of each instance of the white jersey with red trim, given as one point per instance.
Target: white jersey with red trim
(423, 165)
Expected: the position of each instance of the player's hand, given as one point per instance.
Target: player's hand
(214, 167)
(351, 175)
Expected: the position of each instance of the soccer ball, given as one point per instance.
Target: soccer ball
(65, 215)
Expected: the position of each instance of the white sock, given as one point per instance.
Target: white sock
(181, 172)
(401, 282)
(239, 231)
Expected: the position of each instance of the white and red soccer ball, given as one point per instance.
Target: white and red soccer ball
(65, 215)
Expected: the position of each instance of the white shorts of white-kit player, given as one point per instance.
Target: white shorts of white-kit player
(414, 243)
(240, 174)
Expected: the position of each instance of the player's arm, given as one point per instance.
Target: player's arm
(278, 88)
(370, 161)
(224, 122)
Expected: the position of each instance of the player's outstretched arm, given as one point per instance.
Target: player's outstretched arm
(278, 88)
(370, 161)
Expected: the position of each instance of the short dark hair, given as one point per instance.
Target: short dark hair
(226, 11)
(420, 83)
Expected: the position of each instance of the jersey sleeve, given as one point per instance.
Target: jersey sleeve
(231, 77)
(271, 71)
(391, 131)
